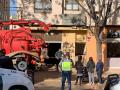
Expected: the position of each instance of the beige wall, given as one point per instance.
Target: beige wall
(70, 47)
(56, 13)
(57, 10)
(71, 37)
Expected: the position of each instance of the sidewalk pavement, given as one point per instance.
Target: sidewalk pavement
(51, 80)
(55, 84)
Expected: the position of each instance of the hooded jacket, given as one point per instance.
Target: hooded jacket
(90, 66)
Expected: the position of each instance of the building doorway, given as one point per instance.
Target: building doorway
(53, 48)
(79, 49)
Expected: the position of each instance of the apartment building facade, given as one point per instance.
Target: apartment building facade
(67, 21)
(4, 10)
(67, 32)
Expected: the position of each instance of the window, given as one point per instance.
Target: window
(43, 6)
(113, 33)
(113, 49)
(71, 5)
(79, 48)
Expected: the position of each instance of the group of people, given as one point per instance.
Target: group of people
(66, 65)
(90, 66)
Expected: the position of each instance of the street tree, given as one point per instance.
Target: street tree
(100, 12)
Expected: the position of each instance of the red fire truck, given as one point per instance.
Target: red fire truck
(20, 43)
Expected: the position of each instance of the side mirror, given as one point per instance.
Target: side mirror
(113, 79)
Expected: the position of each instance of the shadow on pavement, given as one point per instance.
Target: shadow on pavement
(48, 88)
(40, 76)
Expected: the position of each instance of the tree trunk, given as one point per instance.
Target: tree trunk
(99, 43)
(99, 49)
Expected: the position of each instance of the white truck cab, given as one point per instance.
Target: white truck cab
(14, 80)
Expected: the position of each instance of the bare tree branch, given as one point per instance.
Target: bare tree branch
(104, 21)
(85, 10)
(105, 11)
(102, 8)
(91, 6)
(101, 16)
(112, 13)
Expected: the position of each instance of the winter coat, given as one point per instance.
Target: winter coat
(58, 54)
(79, 67)
(99, 67)
(90, 66)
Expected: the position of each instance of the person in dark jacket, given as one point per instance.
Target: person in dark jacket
(99, 70)
(5, 61)
(79, 68)
(58, 56)
(90, 69)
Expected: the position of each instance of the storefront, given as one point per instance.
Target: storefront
(69, 39)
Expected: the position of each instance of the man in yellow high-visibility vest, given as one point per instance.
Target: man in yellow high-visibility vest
(66, 68)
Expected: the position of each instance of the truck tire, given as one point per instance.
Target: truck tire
(22, 65)
(18, 88)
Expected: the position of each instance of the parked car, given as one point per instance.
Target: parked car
(11, 79)
(113, 82)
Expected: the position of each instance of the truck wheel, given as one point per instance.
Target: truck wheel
(18, 88)
(22, 65)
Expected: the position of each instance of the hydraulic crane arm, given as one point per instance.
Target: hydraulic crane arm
(23, 22)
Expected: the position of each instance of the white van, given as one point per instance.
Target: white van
(14, 80)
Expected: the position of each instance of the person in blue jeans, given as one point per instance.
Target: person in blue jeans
(99, 70)
(66, 69)
(66, 75)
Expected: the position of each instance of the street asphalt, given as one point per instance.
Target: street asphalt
(51, 80)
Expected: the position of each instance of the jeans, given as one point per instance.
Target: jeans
(66, 75)
(91, 77)
(80, 79)
(99, 74)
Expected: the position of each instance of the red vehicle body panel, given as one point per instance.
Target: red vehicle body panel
(20, 38)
